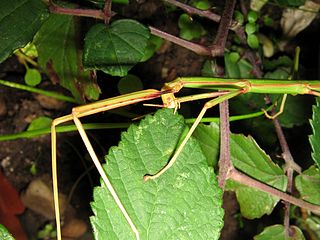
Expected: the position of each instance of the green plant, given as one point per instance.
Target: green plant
(164, 203)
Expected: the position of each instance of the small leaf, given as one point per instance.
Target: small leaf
(32, 77)
(277, 232)
(308, 185)
(239, 17)
(4, 234)
(250, 28)
(252, 16)
(240, 69)
(117, 48)
(253, 41)
(315, 137)
(39, 123)
(184, 203)
(19, 22)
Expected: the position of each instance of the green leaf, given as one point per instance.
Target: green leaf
(189, 29)
(253, 41)
(277, 232)
(308, 185)
(59, 54)
(250, 28)
(184, 203)
(39, 123)
(252, 16)
(117, 48)
(32, 77)
(315, 137)
(239, 16)
(4, 234)
(19, 21)
(129, 83)
(209, 68)
(248, 157)
(240, 69)
(297, 111)
(154, 43)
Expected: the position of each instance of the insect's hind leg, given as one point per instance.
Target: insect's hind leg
(102, 173)
(54, 124)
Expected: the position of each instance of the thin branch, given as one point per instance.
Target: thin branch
(107, 11)
(248, 181)
(225, 164)
(194, 47)
(202, 13)
(217, 49)
(98, 14)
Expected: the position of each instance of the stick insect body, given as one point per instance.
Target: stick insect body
(228, 88)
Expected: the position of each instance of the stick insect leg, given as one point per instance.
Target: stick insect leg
(54, 169)
(208, 105)
(283, 101)
(86, 110)
(103, 175)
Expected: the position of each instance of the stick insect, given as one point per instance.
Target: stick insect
(220, 90)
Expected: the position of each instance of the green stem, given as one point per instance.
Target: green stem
(62, 129)
(39, 91)
(97, 126)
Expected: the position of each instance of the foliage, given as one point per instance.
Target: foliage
(161, 208)
(69, 51)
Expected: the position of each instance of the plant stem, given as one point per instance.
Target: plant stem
(202, 13)
(62, 129)
(197, 48)
(39, 91)
(225, 163)
(217, 49)
(290, 166)
(98, 14)
(248, 181)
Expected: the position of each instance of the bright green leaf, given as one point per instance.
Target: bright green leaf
(19, 21)
(252, 16)
(308, 185)
(277, 232)
(315, 137)
(39, 123)
(184, 203)
(201, 4)
(58, 48)
(253, 41)
(117, 48)
(32, 77)
(4, 234)
(248, 157)
(250, 28)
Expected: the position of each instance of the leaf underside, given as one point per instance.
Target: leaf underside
(184, 203)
